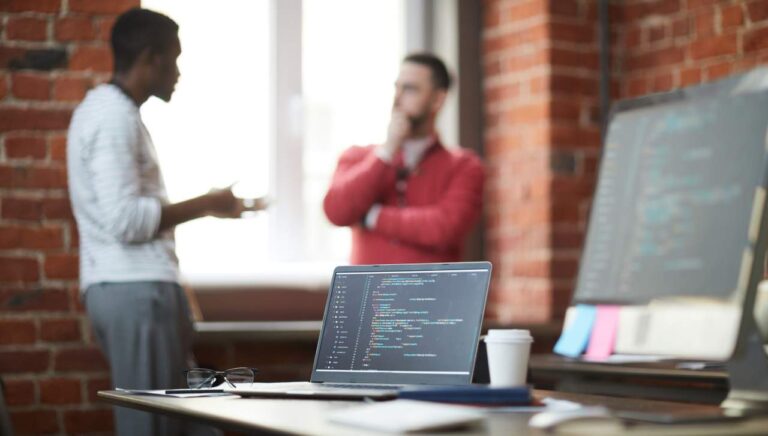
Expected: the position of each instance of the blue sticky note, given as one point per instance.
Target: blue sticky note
(574, 339)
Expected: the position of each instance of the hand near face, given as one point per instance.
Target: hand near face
(398, 131)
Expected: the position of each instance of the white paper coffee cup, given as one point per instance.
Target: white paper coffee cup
(508, 352)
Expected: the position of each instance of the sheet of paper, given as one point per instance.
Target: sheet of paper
(550, 404)
(701, 331)
(603, 337)
(406, 416)
(575, 336)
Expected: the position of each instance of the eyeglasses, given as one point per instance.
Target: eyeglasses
(202, 378)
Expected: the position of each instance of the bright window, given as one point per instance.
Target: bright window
(219, 127)
(349, 71)
(215, 130)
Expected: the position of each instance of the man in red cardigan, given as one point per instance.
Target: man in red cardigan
(408, 200)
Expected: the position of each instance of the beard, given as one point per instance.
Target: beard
(418, 122)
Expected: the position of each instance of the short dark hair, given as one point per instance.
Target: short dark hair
(137, 30)
(440, 76)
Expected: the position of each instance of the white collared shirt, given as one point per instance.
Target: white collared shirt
(413, 151)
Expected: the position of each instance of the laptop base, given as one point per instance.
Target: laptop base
(315, 390)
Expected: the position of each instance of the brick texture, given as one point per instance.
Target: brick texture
(34, 300)
(21, 209)
(70, 88)
(61, 266)
(19, 392)
(540, 130)
(30, 86)
(99, 7)
(20, 147)
(16, 118)
(19, 269)
(60, 330)
(725, 37)
(76, 28)
(17, 332)
(21, 177)
(95, 385)
(80, 359)
(60, 391)
(24, 361)
(3, 86)
(50, 368)
(30, 6)
(26, 29)
(91, 58)
(542, 137)
(84, 421)
(38, 421)
(33, 238)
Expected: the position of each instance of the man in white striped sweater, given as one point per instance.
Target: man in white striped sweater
(128, 267)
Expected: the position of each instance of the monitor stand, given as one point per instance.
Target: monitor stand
(748, 366)
(748, 371)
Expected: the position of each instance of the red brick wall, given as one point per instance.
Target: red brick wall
(542, 143)
(542, 133)
(48, 360)
(669, 44)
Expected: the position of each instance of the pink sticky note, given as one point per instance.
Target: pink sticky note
(603, 336)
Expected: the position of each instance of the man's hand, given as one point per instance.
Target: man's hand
(399, 129)
(222, 203)
(255, 204)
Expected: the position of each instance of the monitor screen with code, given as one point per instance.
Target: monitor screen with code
(679, 195)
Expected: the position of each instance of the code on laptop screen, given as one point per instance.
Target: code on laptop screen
(414, 322)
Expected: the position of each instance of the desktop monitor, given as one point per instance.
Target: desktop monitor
(677, 228)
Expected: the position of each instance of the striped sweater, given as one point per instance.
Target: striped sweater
(116, 189)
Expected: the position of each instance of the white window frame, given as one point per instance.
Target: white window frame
(286, 217)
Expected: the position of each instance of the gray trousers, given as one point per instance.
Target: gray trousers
(145, 331)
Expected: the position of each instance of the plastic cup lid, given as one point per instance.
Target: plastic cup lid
(512, 335)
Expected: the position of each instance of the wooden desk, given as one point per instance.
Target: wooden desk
(653, 380)
(308, 417)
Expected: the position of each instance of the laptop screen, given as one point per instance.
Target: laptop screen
(415, 324)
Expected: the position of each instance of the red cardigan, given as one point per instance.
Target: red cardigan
(443, 200)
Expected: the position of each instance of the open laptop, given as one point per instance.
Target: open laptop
(390, 327)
